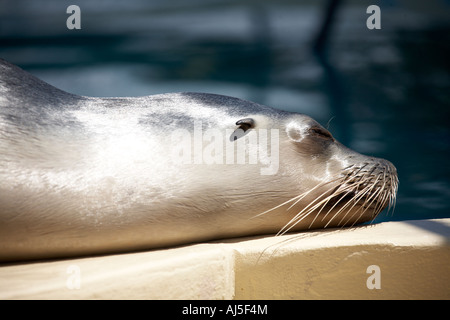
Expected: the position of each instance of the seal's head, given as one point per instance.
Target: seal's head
(337, 186)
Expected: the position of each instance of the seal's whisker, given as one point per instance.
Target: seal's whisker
(376, 211)
(348, 190)
(392, 197)
(380, 196)
(345, 205)
(384, 199)
(362, 194)
(303, 195)
(365, 188)
(339, 211)
(359, 195)
(323, 206)
(297, 218)
(301, 215)
(321, 203)
(296, 199)
(352, 189)
(278, 206)
(307, 211)
(392, 203)
(348, 203)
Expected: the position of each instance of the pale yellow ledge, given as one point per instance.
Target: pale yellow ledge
(390, 260)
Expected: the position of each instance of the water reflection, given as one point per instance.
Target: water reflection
(384, 93)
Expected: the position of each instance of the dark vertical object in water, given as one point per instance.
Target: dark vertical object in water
(262, 45)
(332, 83)
(321, 39)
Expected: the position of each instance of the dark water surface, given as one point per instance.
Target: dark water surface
(382, 92)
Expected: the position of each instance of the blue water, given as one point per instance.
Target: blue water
(382, 92)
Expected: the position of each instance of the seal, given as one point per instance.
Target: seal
(83, 176)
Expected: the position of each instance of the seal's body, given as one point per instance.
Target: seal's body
(83, 175)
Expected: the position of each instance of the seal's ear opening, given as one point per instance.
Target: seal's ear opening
(243, 126)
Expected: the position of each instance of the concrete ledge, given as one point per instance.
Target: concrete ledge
(411, 260)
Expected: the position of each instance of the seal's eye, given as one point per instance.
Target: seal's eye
(320, 132)
(244, 125)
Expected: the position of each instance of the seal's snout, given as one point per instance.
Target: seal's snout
(372, 184)
(387, 165)
(384, 173)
